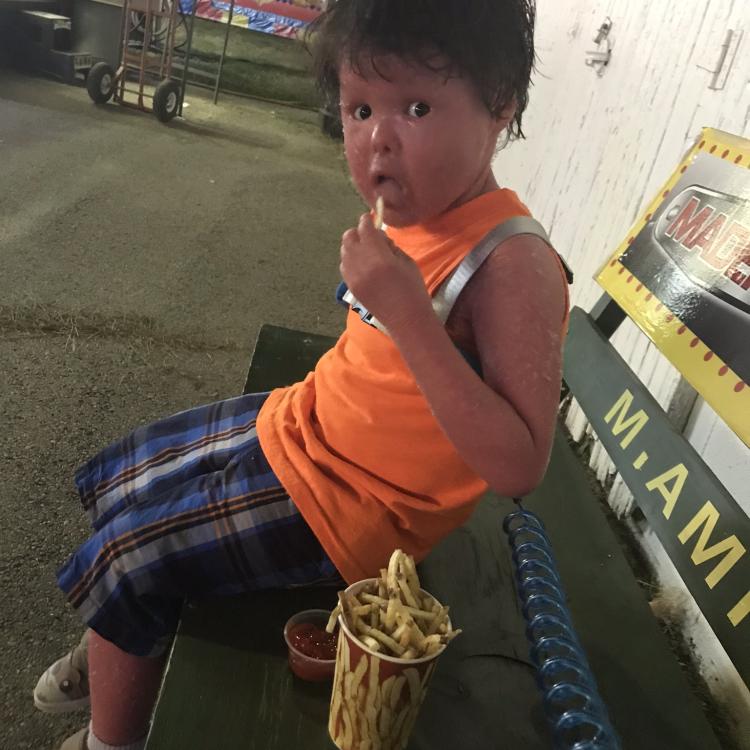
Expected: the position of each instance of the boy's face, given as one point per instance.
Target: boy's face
(423, 142)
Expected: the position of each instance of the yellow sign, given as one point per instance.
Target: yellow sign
(683, 273)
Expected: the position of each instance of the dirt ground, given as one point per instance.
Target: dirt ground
(137, 263)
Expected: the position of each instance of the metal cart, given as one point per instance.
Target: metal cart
(143, 80)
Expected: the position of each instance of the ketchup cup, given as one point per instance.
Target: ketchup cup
(312, 668)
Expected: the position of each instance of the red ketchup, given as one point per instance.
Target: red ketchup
(312, 651)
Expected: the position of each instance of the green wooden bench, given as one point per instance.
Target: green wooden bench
(228, 686)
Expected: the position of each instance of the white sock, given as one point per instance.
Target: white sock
(94, 743)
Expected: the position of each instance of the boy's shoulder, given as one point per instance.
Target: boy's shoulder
(522, 272)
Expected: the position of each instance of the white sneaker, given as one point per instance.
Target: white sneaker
(64, 686)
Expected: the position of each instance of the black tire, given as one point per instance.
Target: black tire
(100, 83)
(166, 100)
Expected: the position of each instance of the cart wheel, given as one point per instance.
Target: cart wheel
(100, 83)
(166, 100)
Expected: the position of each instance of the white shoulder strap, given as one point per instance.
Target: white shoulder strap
(448, 292)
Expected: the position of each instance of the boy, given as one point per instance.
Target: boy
(402, 425)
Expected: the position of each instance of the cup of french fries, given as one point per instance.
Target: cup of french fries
(391, 634)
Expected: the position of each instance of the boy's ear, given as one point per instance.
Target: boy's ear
(506, 116)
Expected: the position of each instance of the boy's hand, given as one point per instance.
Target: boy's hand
(381, 276)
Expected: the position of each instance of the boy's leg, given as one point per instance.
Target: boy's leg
(123, 692)
(228, 532)
(131, 471)
(166, 453)
(225, 532)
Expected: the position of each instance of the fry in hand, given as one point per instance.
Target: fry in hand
(378, 222)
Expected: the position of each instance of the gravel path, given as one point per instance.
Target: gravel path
(138, 262)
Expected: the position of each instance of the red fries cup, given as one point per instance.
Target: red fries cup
(376, 697)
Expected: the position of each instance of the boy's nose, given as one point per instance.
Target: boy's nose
(385, 136)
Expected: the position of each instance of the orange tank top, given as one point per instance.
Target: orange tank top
(356, 445)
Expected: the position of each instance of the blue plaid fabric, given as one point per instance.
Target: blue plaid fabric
(186, 507)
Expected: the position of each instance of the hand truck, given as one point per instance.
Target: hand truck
(143, 79)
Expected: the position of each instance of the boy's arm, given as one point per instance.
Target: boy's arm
(501, 426)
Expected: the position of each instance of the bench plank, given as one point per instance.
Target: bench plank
(683, 504)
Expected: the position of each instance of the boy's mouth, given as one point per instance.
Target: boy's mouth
(386, 186)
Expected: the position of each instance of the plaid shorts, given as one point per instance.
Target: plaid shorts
(187, 507)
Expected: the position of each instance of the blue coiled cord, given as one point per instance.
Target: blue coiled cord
(572, 704)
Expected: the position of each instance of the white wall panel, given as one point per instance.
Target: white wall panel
(598, 150)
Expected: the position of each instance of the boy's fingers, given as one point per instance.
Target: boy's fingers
(350, 237)
(365, 224)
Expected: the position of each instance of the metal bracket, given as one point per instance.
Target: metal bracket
(726, 60)
(599, 58)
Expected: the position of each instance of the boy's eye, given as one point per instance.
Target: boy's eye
(362, 112)
(418, 109)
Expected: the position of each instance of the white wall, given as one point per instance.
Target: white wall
(597, 151)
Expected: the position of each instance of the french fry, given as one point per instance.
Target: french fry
(419, 614)
(390, 613)
(391, 581)
(386, 640)
(441, 616)
(373, 695)
(348, 731)
(407, 593)
(373, 675)
(385, 690)
(432, 648)
(410, 570)
(396, 689)
(371, 643)
(415, 685)
(383, 583)
(362, 610)
(378, 222)
(397, 724)
(384, 720)
(331, 625)
(357, 675)
(378, 600)
(416, 635)
(405, 638)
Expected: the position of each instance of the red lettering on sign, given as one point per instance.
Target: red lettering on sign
(721, 244)
(735, 248)
(688, 224)
(706, 240)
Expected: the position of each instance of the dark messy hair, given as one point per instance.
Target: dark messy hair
(491, 42)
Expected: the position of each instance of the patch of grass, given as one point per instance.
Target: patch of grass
(262, 65)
